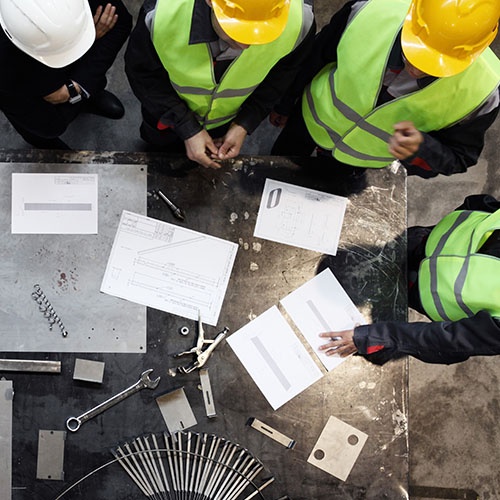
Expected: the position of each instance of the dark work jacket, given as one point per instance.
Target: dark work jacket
(150, 81)
(442, 342)
(23, 76)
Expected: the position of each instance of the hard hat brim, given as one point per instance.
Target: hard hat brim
(427, 59)
(250, 32)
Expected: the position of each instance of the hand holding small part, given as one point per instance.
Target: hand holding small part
(405, 141)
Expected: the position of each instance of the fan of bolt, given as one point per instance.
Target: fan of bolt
(189, 466)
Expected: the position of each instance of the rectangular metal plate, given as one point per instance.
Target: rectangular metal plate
(176, 411)
(50, 462)
(69, 269)
(338, 448)
(88, 370)
(6, 395)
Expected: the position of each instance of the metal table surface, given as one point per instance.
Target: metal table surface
(370, 265)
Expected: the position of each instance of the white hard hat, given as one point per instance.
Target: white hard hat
(54, 32)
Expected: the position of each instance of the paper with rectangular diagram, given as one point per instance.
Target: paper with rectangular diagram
(54, 203)
(274, 357)
(302, 217)
(272, 353)
(322, 305)
(168, 267)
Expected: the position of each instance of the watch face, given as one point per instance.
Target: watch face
(77, 98)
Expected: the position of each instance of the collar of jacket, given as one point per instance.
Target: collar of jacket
(396, 63)
(202, 30)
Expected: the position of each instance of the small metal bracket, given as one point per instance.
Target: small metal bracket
(208, 398)
(270, 432)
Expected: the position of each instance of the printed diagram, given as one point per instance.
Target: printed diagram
(168, 267)
(301, 217)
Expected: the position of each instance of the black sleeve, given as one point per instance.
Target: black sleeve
(443, 342)
(323, 51)
(482, 202)
(90, 70)
(150, 83)
(260, 103)
(451, 150)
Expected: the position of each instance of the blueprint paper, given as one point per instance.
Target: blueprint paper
(168, 267)
(322, 305)
(274, 357)
(301, 217)
(55, 203)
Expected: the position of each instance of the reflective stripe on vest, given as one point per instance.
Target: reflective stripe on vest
(455, 281)
(190, 66)
(339, 104)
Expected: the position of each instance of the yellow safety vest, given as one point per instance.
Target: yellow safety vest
(455, 281)
(339, 105)
(190, 66)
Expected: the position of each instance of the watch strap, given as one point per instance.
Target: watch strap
(74, 96)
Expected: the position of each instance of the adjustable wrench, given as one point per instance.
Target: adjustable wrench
(74, 423)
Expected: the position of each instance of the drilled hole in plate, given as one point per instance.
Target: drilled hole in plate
(353, 439)
(319, 454)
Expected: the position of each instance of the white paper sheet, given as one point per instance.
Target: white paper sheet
(274, 357)
(301, 217)
(60, 203)
(322, 305)
(169, 267)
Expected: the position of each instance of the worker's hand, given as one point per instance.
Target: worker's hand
(104, 20)
(200, 148)
(277, 120)
(229, 146)
(61, 95)
(341, 343)
(405, 141)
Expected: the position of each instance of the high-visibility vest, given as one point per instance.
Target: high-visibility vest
(339, 105)
(455, 281)
(190, 67)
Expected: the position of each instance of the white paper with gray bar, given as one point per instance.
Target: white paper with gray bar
(322, 305)
(55, 203)
(274, 357)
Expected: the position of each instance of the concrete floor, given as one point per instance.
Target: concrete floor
(454, 439)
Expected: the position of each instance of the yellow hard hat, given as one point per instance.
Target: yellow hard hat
(443, 37)
(252, 22)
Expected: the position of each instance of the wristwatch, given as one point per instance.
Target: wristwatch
(74, 96)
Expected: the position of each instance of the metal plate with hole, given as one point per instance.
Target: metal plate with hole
(337, 448)
(50, 462)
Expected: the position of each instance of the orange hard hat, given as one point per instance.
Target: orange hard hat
(443, 37)
(252, 22)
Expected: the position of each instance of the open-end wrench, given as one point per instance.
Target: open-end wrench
(74, 423)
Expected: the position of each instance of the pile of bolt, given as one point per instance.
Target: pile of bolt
(188, 465)
(45, 307)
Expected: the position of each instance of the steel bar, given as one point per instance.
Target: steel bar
(162, 467)
(122, 460)
(146, 468)
(260, 488)
(29, 365)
